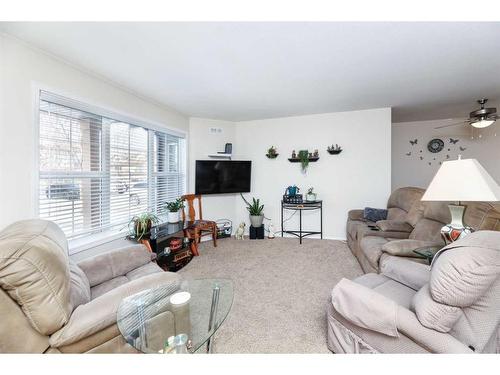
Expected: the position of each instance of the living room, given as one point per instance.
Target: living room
(249, 188)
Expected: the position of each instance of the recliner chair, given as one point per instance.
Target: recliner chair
(452, 306)
(50, 304)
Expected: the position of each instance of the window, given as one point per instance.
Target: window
(97, 170)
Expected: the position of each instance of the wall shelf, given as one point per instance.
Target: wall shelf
(220, 156)
(297, 160)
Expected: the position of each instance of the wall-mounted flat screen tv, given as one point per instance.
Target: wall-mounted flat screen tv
(222, 176)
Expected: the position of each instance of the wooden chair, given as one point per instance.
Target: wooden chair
(199, 227)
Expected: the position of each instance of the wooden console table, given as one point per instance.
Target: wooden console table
(305, 206)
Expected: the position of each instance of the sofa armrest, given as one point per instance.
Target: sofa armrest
(100, 313)
(412, 274)
(434, 341)
(365, 308)
(394, 226)
(115, 263)
(404, 248)
(356, 215)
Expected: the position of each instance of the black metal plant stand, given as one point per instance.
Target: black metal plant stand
(305, 206)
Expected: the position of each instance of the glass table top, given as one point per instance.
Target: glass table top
(148, 319)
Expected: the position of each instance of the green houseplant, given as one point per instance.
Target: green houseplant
(141, 224)
(272, 153)
(304, 159)
(173, 209)
(255, 209)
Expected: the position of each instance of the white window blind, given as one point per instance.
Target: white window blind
(98, 170)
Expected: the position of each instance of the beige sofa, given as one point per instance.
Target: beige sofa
(399, 204)
(50, 304)
(417, 225)
(451, 307)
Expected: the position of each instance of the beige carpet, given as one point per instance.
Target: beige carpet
(281, 291)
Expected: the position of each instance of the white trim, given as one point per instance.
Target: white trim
(88, 105)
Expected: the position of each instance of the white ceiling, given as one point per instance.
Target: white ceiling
(244, 71)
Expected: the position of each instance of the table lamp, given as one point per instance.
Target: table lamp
(461, 180)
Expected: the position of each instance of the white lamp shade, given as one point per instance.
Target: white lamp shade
(462, 180)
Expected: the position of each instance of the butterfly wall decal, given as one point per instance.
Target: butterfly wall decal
(454, 141)
(463, 148)
(414, 142)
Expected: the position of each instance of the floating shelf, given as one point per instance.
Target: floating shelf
(221, 156)
(334, 152)
(297, 160)
(272, 156)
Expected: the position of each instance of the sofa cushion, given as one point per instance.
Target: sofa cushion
(371, 247)
(114, 263)
(404, 248)
(404, 198)
(34, 271)
(80, 287)
(108, 285)
(427, 230)
(100, 313)
(145, 270)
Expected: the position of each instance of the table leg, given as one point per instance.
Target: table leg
(213, 316)
(282, 219)
(300, 227)
(321, 219)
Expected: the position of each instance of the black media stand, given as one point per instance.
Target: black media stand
(305, 206)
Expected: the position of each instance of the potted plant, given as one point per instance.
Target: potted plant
(334, 150)
(141, 225)
(255, 209)
(272, 153)
(173, 209)
(304, 159)
(311, 195)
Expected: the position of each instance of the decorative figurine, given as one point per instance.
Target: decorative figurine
(294, 155)
(316, 153)
(240, 232)
(271, 231)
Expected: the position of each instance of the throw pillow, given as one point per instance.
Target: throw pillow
(374, 214)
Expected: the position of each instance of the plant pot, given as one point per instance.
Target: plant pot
(174, 217)
(256, 220)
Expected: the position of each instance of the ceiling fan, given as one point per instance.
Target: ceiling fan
(480, 118)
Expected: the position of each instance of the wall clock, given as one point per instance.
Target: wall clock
(435, 145)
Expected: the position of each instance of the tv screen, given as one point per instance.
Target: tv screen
(222, 176)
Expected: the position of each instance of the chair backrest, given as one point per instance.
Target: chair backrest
(401, 201)
(189, 199)
(462, 297)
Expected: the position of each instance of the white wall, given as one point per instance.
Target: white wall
(410, 170)
(22, 69)
(360, 176)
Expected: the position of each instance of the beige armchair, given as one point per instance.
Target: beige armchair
(452, 306)
(50, 304)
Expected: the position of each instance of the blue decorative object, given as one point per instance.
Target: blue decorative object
(374, 214)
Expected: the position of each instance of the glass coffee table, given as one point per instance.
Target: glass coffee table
(193, 310)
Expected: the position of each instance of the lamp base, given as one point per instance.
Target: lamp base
(456, 229)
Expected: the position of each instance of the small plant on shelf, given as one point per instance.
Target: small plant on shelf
(304, 159)
(334, 150)
(140, 225)
(272, 153)
(173, 209)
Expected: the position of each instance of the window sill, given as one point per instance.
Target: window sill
(88, 242)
